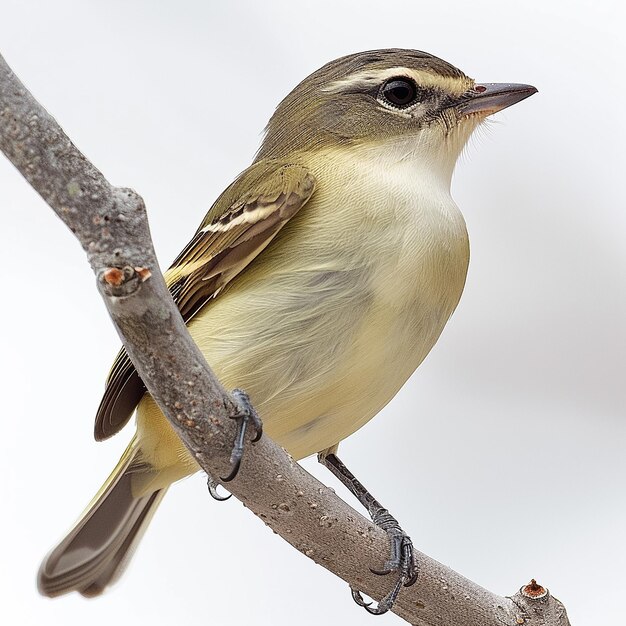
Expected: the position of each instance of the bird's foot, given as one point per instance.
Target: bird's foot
(401, 562)
(246, 416)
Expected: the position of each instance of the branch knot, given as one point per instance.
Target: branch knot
(123, 281)
(533, 590)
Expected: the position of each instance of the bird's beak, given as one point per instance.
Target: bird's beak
(489, 98)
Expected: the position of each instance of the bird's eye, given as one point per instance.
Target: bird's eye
(399, 92)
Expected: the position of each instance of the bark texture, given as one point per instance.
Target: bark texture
(112, 226)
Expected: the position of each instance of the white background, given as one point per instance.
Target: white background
(504, 454)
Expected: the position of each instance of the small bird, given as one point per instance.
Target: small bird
(318, 282)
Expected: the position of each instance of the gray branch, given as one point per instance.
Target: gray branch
(112, 226)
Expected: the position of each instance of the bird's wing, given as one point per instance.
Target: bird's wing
(242, 222)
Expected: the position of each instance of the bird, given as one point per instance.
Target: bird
(317, 282)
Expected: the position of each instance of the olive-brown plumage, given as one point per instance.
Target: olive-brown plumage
(318, 281)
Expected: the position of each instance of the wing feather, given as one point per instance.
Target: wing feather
(242, 222)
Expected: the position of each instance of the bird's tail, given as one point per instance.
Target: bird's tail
(98, 548)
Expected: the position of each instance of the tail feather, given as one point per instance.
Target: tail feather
(96, 551)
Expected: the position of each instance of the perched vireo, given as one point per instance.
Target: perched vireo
(318, 282)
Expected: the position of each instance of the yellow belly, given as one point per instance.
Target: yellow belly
(310, 391)
(328, 323)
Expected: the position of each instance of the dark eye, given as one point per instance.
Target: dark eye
(399, 92)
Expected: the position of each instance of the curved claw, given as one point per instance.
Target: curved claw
(358, 598)
(375, 610)
(212, 485)
(388, 601)
(385, 604)
(233, 472)
(380, 572)
(412, 580)
(259, 432)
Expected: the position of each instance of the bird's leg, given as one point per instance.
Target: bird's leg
(246, 416)
(401, 559)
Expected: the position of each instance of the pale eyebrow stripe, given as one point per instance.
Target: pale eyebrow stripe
(424, 78)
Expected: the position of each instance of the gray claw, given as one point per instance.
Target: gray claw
(212, 485)
(358, 598)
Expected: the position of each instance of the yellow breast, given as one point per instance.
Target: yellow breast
(332, 318)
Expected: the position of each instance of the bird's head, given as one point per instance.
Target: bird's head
(406, 99)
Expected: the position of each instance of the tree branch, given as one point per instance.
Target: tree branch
(111, 225)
